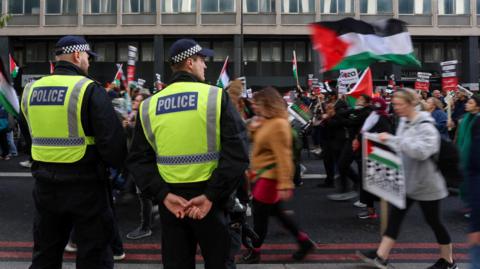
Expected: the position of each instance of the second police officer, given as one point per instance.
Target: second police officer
(189, 150)
(75, 136)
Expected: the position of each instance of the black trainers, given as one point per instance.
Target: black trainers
(372, 258)
(139, 233)
(306, 246)
(443, 264)
(251, 256)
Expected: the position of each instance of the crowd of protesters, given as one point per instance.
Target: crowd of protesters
(419, 120)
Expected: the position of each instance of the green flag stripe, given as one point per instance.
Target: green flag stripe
(8, 107)
(384, 161)
(365, 59)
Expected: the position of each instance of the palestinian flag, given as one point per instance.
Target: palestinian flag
(120, 77)
(363, 86)
(223, 80)
(350, 43)
(294, 67)
(8, 96)
(382, 154)
(13, 67)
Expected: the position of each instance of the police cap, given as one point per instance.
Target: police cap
(185, 48)
(69, 44)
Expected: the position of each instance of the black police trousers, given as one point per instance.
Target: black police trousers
(181, 236)
(61, 207)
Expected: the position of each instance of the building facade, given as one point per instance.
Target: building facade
(257, 35)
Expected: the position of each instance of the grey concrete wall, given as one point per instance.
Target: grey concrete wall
(413, 20)
(179, 19)
(139, 19)
(264, 19)
(61, 20)
(24, 20)
(100, 19)
(219, 18)
(373, 18)
(451, 20)
(298, 19)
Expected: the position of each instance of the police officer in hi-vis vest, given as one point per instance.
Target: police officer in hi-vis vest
(75, 135)
(188, 152)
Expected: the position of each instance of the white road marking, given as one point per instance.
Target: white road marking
(15, 174)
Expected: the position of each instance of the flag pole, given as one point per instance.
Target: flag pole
(223, 68)
(118, 70)
(296, 67)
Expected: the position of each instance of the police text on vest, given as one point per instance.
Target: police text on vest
(177, 102)
(48, 96)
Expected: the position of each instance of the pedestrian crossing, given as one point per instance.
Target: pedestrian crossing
(277, 253)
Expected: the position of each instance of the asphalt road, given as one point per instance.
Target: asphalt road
(333, 225)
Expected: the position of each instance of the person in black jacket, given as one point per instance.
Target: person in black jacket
(333, 140)
(76, 195)
(377, 122)
(200, 207)
(353, 120)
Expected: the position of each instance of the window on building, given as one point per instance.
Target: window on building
(376, 6)
(100, 6)
(122, 52)
(178, 6)
(417, 50)
(478, 6)
(337, 6)
(207, 45)
(36, 52)
(147, 52)
(250, 51)
(433, 52)
(51, 51)
(261, 6)
(454, 52)
(453, 7)
(105, 51)
(139, 6)
(218, 6)
(298, 6)
(299, 47)
(415, 7)
(61, 6)
(271, 51)
(222, 50)
(24, 7)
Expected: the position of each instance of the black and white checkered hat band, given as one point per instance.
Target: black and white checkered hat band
(73, 48)
(185, 54)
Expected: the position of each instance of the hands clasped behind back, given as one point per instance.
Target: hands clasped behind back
(196, 208)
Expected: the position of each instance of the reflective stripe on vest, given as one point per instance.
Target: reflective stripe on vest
(68, 144)
(176, 160)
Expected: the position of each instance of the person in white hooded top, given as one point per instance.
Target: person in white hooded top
(417, 140)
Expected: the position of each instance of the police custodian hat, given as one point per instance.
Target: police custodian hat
(185, 48)
(70, 43)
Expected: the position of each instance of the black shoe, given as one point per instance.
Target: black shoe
(306, 246)
(139, 233)
(372, 258)
(251, 256)
(443, 264)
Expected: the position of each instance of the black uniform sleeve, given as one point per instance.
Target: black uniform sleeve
(142, 164)
(233, 154)
(25, 131)
(108, 132)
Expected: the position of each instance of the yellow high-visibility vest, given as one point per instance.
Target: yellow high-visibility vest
(182, 124)
(52, 107)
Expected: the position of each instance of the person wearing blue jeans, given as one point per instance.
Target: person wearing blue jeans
(11, 144)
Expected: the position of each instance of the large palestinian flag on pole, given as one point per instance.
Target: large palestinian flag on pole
(383, 171)
(350, 43)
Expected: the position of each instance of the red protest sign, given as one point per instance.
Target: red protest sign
(449, 83)
(422, 85)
